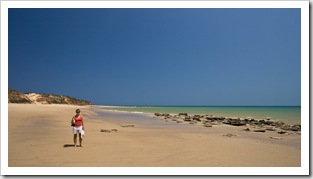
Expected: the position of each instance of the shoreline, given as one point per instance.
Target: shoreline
(272, 132)
(161, 144)
(150, 113)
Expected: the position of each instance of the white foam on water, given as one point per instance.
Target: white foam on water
(136, 112)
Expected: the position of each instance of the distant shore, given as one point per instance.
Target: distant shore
(113, 140)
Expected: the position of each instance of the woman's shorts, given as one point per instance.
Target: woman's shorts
(77, 129)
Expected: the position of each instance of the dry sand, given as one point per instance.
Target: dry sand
(41, 136)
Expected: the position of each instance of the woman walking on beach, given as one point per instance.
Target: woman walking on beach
(78, 127)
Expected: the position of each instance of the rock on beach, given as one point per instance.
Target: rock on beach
(208, 120)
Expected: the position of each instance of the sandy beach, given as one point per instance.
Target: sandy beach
(41, 136)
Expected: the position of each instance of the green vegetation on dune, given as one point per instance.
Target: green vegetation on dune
(19, 97)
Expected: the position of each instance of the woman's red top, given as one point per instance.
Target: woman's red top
(78, 120)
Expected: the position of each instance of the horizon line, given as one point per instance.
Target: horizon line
(200, 105)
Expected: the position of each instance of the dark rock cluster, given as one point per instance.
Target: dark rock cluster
(108, 130)
(210, 120)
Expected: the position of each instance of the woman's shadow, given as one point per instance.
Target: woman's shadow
(68, 145)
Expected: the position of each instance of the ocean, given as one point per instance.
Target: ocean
(286, 114)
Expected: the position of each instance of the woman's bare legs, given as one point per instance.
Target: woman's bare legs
(75, 139)
(80, 140)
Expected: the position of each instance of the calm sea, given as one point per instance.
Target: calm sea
(287, 114)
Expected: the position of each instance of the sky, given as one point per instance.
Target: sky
(219, 57)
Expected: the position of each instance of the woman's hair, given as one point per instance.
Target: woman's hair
(77, 111)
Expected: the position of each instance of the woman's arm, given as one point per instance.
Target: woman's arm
(83, 123)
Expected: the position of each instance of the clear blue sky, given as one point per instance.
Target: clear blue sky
(158, 56)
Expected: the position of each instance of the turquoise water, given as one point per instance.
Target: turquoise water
(287, 114)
